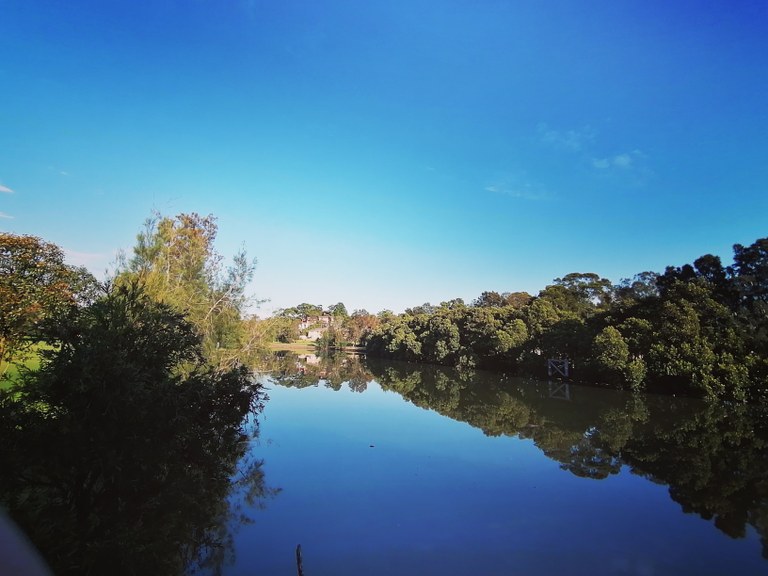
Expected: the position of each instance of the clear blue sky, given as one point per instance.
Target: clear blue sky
(388, 153)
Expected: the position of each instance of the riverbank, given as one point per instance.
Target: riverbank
(308, 347)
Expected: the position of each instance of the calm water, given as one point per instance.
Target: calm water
(400, 469)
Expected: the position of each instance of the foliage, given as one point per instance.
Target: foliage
(495, 300)
(282, 329)
(700, 329)
(359, 325)
(338, 310)
(118, 452)
(37, 289)
(302, 311)
(176, 260)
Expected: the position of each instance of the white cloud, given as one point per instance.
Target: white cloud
(5, 189)
(622, 161)
(574, 140)
(625, 161)
(6, 216)
(525, 192)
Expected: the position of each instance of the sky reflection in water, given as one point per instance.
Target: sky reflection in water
(372, 484)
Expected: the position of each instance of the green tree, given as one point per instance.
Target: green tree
(614, 362)
(177, 261)
(580, 293)
(440, 340)
(338, 311)
(302, 311)
(750, 270)
(488, 300)
(697, 344)
(493, 299)
(395, 338)
(642, 286)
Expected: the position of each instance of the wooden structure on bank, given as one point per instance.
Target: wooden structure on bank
(558, 367)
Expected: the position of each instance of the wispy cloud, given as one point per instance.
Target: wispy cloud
(582, 144)
(629, 167)
(574, 140)
(58, 170)
(5, 190)
(5, 216)
(524, 192)
(624, 161)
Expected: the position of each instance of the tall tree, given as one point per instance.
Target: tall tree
(177, 261)
(302, 311)
(338, 310)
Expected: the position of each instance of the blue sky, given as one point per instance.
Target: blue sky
(389, 153)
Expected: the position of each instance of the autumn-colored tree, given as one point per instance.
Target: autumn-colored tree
(36, 288)
(359, 325)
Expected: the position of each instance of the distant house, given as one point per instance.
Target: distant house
(314, 334)
(313, 327)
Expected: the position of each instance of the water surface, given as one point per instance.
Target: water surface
(402, 469)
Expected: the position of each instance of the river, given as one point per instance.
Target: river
(404, 469)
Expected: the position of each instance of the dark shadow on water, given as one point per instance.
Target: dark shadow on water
(138, 499)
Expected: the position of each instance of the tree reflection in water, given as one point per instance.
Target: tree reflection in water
(713, 457)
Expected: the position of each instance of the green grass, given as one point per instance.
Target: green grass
(9, 371)
(295, 346)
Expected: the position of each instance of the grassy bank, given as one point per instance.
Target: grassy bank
(305, 346)
(9, 371)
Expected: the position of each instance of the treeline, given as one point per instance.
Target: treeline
(700, 329)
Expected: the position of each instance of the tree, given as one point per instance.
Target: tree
(441, 340)
(176, 260)
(338, 311)
(36, 289)
(359, 325)
(488, 300)
(640, 287)
(302, 311)
(750, 268)
(120, 450)
(495, 300)
(697, 344)
(516, 300)
(587, 290)
(425, 308)
(613, 360)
